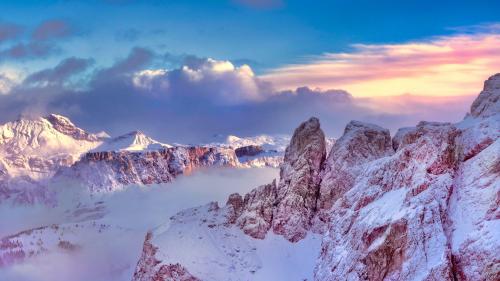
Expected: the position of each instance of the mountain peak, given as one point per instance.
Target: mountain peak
(488, 101)
(64, 125)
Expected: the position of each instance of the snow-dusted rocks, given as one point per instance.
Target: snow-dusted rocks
(299, 181)
(198, 238)
(360, 144)
(255, 215)
(147, 271)
(487, 103)
(49, 239)
(109, 170)
(390, 221)
(427, 212)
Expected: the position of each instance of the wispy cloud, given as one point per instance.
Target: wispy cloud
(9, 31)
(440, 66)
(52, 29)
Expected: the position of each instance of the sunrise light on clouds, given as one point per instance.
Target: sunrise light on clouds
(440, 66)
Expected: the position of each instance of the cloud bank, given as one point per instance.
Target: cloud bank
(201, 98)
(441, 66)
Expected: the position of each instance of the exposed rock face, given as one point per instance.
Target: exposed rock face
(256, 215)
(65, 126)
(427, 212)
(106, 171)
(360, 144)
(249, 150)
(147, 271)
(299, 181)
(487, 103)
(390, 221)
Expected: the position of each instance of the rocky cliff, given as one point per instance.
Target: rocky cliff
(109, 170)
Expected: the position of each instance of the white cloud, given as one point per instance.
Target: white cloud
(9, 78)
(216, 80)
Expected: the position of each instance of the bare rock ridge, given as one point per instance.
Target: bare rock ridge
(65, 126)
(108, 170)
(299, 181)
(423, 205)
(289, 206)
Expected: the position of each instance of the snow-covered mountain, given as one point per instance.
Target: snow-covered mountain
(422, 205)
(133, 141)
(33, 149)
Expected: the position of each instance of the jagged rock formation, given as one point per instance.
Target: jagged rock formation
(289, 206)
(164, 272)
(109, 170)
(254, 215)
(487, 103)
(299, 181)
(420, 206)
(427, 212)
(360, 144)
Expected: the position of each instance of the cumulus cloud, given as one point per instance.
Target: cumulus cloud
(205, 79)
(447, 65)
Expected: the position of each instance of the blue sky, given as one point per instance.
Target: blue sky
(265, 35)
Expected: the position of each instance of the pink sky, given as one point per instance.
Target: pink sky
(440, 66)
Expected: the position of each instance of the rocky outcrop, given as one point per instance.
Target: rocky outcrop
(109, 170)
(256, 215)
(151, 269)
(428, 211)
(360, 144)
(65, 126)
(487, 103)
(391, 219)
(249, 150)
(299, 181)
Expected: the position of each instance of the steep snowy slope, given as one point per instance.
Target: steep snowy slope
(32, 150)
(36, 147)
(133, 141)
